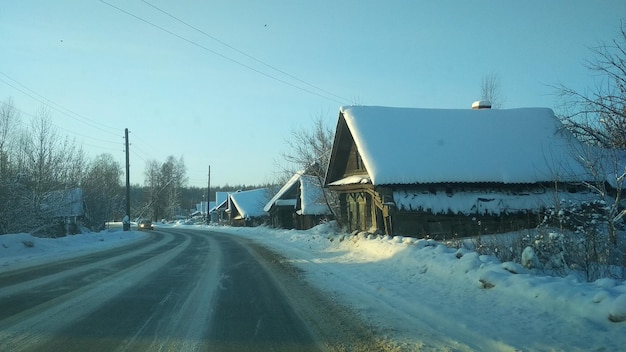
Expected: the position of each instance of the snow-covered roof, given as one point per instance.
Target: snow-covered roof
(311, 196)
(63, 203)
(411, 145)
(351, 180)
(250, 203)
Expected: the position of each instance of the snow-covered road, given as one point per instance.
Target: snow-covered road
(174, 290)
(420, 296)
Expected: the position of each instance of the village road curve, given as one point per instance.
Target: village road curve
(178, 290)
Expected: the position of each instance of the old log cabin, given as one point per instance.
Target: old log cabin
(300, 204)
(447, 172)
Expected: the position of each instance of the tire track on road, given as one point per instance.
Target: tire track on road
(48, 284)
(25, 330)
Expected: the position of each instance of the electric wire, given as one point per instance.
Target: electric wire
(141, 153)
(242, 52)
(59, 127)
(57, 107)
(137, 136)
(219, 54)
(133, 152)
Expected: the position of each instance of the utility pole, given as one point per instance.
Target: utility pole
(127, 217)
(208, 198)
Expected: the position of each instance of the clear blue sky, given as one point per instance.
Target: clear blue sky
(182, 93)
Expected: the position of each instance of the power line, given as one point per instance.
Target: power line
(137, 155)
(58, 107)
(242, 52)
(21, 111)
(141, 153)
(219, 54)
(136, 136)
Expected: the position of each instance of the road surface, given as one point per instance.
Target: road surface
(178, 290)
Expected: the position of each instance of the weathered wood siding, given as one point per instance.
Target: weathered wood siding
(282, 217)
(445, 226)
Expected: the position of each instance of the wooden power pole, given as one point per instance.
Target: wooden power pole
(208, 198)
(127, 217)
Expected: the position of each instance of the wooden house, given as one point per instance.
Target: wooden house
(218, 212)
(299, 204)
(245, 208)
(445, 172)
(63, 209)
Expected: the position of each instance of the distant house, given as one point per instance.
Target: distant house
(444, 172)
(218, 212)
(298, 204)
(63, 208)
(66, 205)
(245, 208)
(203, 208)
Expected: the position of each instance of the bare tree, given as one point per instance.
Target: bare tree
(9, 121)
(309, 152)
(173, 178)
(33, 163)
(598, 117)
(309, 147)
(53, 161)
(164, 183)
(491, 90)
(102, 190)
(152, 183)
(12, 194)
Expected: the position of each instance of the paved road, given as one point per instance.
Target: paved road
(179, 290)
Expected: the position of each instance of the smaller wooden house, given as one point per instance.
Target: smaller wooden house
(447, 172)
(218, 212)
(64, 209)
(245, 208)
(299, 204)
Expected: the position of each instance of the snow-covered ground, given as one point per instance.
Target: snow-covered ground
(417, 293)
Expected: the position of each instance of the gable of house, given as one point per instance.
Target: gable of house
(286, 195)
